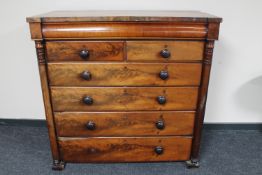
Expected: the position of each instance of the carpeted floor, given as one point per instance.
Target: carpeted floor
(25, 151)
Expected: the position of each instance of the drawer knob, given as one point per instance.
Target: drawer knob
(86, 75)
(161, 100)
(160, 124)
(165, 53)
(88, 100)
(163, 74)
(84, 54)
(159, 150)
(91, 125)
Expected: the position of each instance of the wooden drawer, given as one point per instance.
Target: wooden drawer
(123, 74)
(158, 50)
(124, 123)
(123, 98)
(125, 149)
(85, 50)
(123, 30)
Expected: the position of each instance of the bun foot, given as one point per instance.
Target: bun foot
(58, 165)
(193, 163)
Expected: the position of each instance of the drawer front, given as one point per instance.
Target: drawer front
(85, 51)
(125, 149)
(124, 30)
(124, 123)
(122, 74)
(120, 98)
(165, 51)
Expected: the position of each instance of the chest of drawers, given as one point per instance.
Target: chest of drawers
(124, 86)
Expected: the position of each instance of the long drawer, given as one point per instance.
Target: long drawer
(125, 149)
(117, 30)
(93, 124)
(124, 74)
(123, 98)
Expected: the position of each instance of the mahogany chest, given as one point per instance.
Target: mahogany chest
(124, 86)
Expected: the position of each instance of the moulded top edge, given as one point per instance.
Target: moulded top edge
(122, 16)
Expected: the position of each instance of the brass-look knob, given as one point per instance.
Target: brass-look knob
(159, 150)
(88, 100)
(161, 100)
(160, 124)
(165, 53)
(163, 74)
(91, 125)
(84, 54)
(86, 75)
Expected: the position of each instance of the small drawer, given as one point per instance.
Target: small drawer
(125, 149)
(85, 51)
(123, 98)
(165, 51)
(91, 124)
(123, 74)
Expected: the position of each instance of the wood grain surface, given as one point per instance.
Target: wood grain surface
(123, 30)
(122, 79)
(99, 51)
(124, 15)
(150, 50)
(39, 45)
(121, 98)
(124, 123)
(124, 149)
(124, 74)
(203, 92)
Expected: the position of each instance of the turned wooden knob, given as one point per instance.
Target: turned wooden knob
(88, 100)
(160, 124)
(165, 53)
(86, 75)
(91, 125)
(163, 74)
(159, 150)
(84, 54)
(161, 100)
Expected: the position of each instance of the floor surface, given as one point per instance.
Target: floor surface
(25, 151)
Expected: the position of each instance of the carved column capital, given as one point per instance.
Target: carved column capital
(209, 52)
(40, 51)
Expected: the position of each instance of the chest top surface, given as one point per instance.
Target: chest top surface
(121, 15)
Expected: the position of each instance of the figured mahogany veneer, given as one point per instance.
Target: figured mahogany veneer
(151, 50)
(118, 98)
(124, 86)
(124, 149)
(70, 124)
(123, 30)
(98, 51)
(124, 74)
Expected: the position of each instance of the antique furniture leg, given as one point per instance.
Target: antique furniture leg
(194, 161)
(40, 50)
(58, 165)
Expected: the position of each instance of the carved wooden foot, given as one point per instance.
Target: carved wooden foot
(193, 163)
(58, 165)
